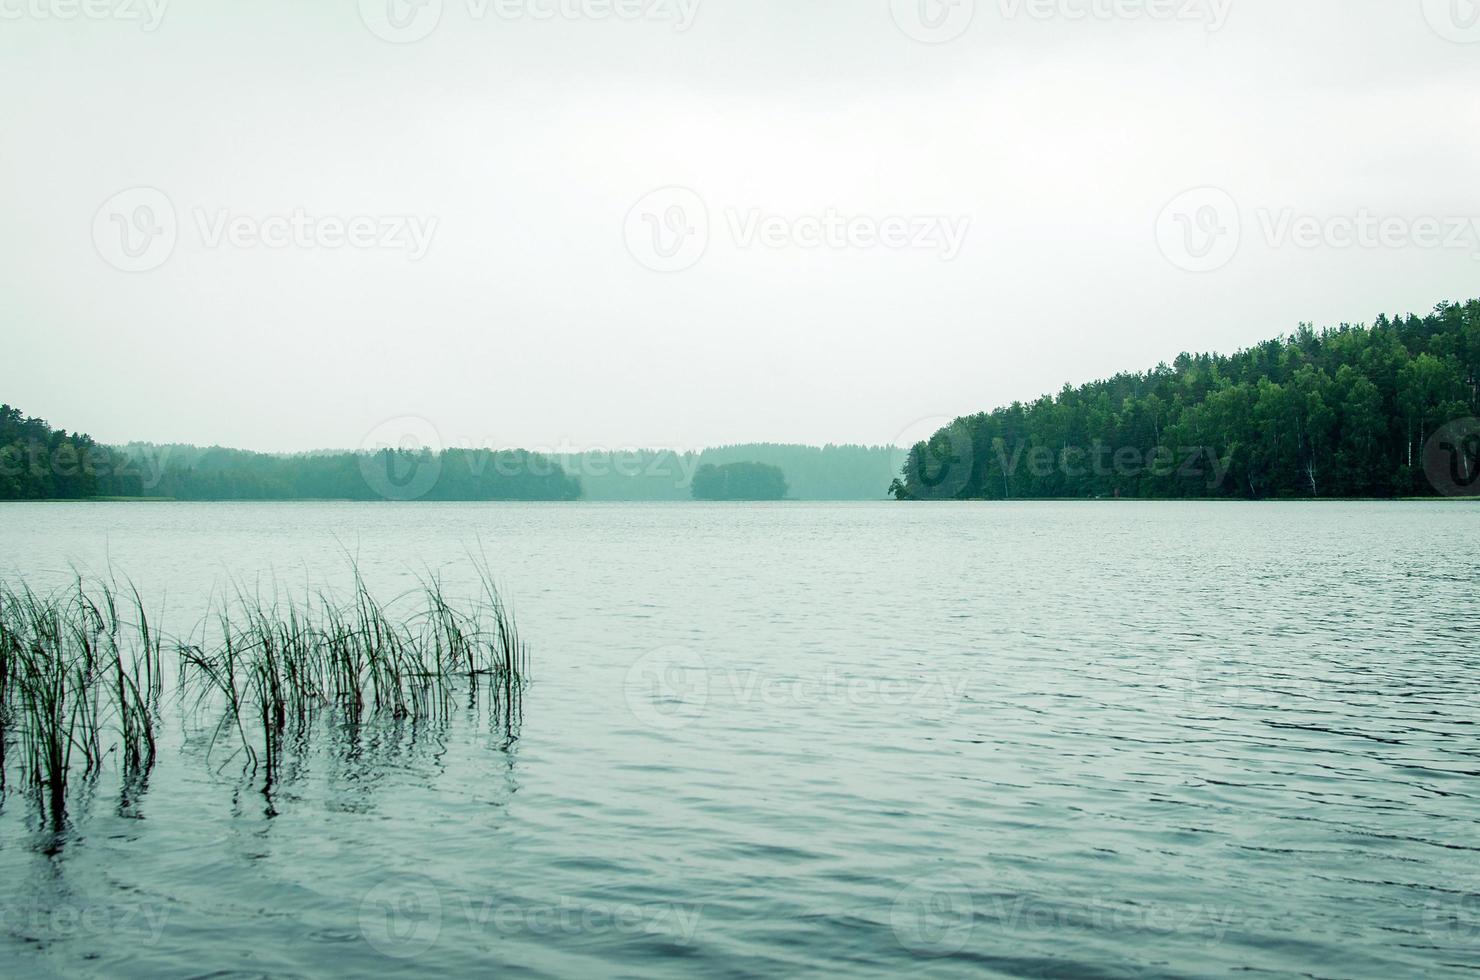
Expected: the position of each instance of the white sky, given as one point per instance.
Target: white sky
(530, 321)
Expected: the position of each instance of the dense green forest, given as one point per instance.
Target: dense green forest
(832, 472)
(1355, 411)
(739, 481)
(192, 473)
(38, 462)
(1381, 411)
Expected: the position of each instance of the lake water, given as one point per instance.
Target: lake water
(1048, 739)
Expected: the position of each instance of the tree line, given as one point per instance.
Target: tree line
(38, 462)
(191, 473)
(1352, 411)
(739, 481)
(831, 472)
(1388, 410)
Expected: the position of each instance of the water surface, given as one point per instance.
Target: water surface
(1115, 739)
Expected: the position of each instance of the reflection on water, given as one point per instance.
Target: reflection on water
(217, 837)
(1054, 740)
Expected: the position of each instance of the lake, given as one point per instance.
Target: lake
(1049, 739)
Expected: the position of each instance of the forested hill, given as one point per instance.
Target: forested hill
(1381, 411)
(39, 462)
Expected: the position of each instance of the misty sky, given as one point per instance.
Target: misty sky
(897, 231)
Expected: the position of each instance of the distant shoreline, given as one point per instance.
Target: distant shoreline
(689, 503)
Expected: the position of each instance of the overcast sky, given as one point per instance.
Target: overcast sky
(280, 225)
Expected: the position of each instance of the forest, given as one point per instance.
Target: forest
(38, 462)
(831, 472)
(41, 463)
(189, 473)
(739, 481)
(1383, 411)
(1353, 411)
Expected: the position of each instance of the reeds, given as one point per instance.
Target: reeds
(78, 679)
(80, 670)
(278, 661)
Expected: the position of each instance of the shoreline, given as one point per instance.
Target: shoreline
(687, 503)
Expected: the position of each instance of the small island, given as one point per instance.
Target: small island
(739, 481)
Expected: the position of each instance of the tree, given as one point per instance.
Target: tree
(739, 481)
(1344, 411)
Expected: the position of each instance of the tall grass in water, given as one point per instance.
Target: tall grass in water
(277, 662)
(78, 679)
(81, 678)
